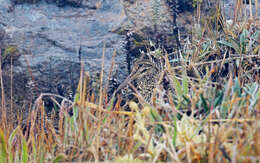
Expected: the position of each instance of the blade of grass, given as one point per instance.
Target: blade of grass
(204, 103)
(109, 109)
(10, 142)
(34, 149)
(58, 158)
(3, 147)
(25, 155)
(185, 85)
(176, 83)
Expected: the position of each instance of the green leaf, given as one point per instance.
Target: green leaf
(235, 45)
(34, 150)
(219, 99)
(205, 49)
(243, 36)
(243, 40)
(77, 96)
(232, 44)
(109, 108)
(177, 87)
(75, 116)
(206, 46)
(225, 43)
(251, 89)
(204, 103)
(10, 142)
(24, 151)
(42, 156)
(185, 86)
(59, 158)
(255, 36)
(155, 116)
(237, 88)
(224, 111)
(3, 147)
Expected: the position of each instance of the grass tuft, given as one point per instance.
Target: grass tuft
(204, 107)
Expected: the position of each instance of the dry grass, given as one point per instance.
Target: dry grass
(205, 115)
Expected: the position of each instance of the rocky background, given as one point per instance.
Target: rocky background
(47, 39)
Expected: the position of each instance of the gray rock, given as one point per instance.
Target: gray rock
(61, 3)
(153, 20)
(51, 38)
(24, 1)
(2, 34)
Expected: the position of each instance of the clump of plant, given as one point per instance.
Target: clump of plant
(195, 117)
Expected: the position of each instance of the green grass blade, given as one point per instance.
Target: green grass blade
(3, 147)
(34, 150)
(185, 86)
(219, 99)
(10, 142)
(243, 40)
(237, 88)
(225, 43)
(155, 116)
(77, 97)
(235, 45)
(12, 135)
(177, 87)
(24, 151)
(109, 108)
(59, 158)
(204, 103)
(224, 111)
(42, 156)
(231, 44)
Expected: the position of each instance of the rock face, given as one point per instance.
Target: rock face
(24, 1)
(153, 20)
(54, 40)
(62, 3)
(149, 19)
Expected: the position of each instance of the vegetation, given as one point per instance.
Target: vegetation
(209, 111)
